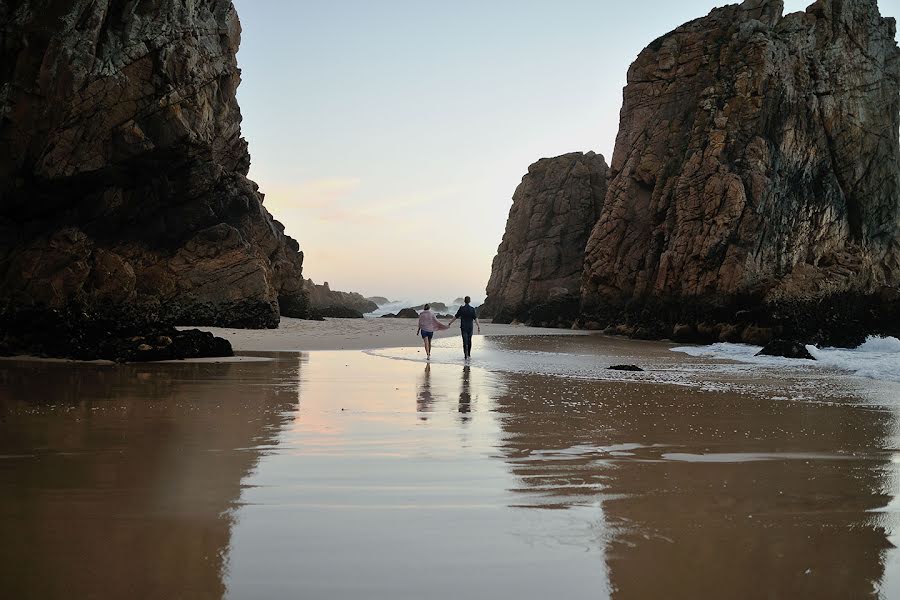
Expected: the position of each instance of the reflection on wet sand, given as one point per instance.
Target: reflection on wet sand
(400, 480)
(119, 481)
(426, 398)
(424, 395)
(465, 395)
(768, 499)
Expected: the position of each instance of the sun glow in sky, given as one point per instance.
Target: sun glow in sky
(390, 135)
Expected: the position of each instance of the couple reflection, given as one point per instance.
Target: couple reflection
(426, 396)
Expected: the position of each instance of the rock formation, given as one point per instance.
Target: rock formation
(542, 253)
(325, 302)
(123, 183)
(755, 183)
(435, 306)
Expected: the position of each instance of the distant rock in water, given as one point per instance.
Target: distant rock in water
(459, 301)
(379, 300)
(634, 368)
(123, 173)
(325, 302)
(539, 262)
(433, 305)
(787, 349)
(755, 182)
(405, 313)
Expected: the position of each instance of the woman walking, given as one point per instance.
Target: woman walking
(428, 324)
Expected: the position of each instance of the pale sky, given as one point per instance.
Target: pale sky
(390, 135)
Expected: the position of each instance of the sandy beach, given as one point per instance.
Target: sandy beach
(296, 335)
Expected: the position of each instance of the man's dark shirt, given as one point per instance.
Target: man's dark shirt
(466, 315)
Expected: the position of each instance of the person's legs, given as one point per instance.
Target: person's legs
(426, 338)
(467, 343)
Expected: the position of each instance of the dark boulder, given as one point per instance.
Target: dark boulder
(433, 305)
(787, 349)
(624, 368)
(337, 312)
(98, 334)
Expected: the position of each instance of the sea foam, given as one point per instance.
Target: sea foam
(877, 358)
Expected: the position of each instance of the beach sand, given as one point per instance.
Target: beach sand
(531, 472)
(297, 335)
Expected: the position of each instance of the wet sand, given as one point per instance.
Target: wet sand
(531, 473)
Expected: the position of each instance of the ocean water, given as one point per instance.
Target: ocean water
(394, 307)
(878, 358)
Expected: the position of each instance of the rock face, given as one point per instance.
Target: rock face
(755, 180)
(123, 170)
(325, 302)
(542, 253)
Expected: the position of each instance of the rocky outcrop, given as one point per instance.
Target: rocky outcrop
(541, 256)
(102, 335)
(786, 349)
(325, 302)
(432, 305)
(378, 300)
(755, 182)
(123, 171)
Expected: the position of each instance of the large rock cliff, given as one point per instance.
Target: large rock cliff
(539, 262)
(755, 183)
(123, 185)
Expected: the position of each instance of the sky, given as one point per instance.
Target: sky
(389, 136)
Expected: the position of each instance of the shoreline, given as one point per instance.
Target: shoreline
(297, 335)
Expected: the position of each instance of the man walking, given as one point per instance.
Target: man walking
(466, 315)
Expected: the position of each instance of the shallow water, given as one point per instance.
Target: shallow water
(377, 475)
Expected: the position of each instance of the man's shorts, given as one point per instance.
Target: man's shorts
(427, 334)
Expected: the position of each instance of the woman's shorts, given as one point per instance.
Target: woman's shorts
(427, 334)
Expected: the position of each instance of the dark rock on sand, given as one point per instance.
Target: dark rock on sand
(625, 368)
(123, 173)
(389, 316)
(542, 253)
(101, 334)
(787, 349)
(407, 313)
(755, 181)
(337, 312)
